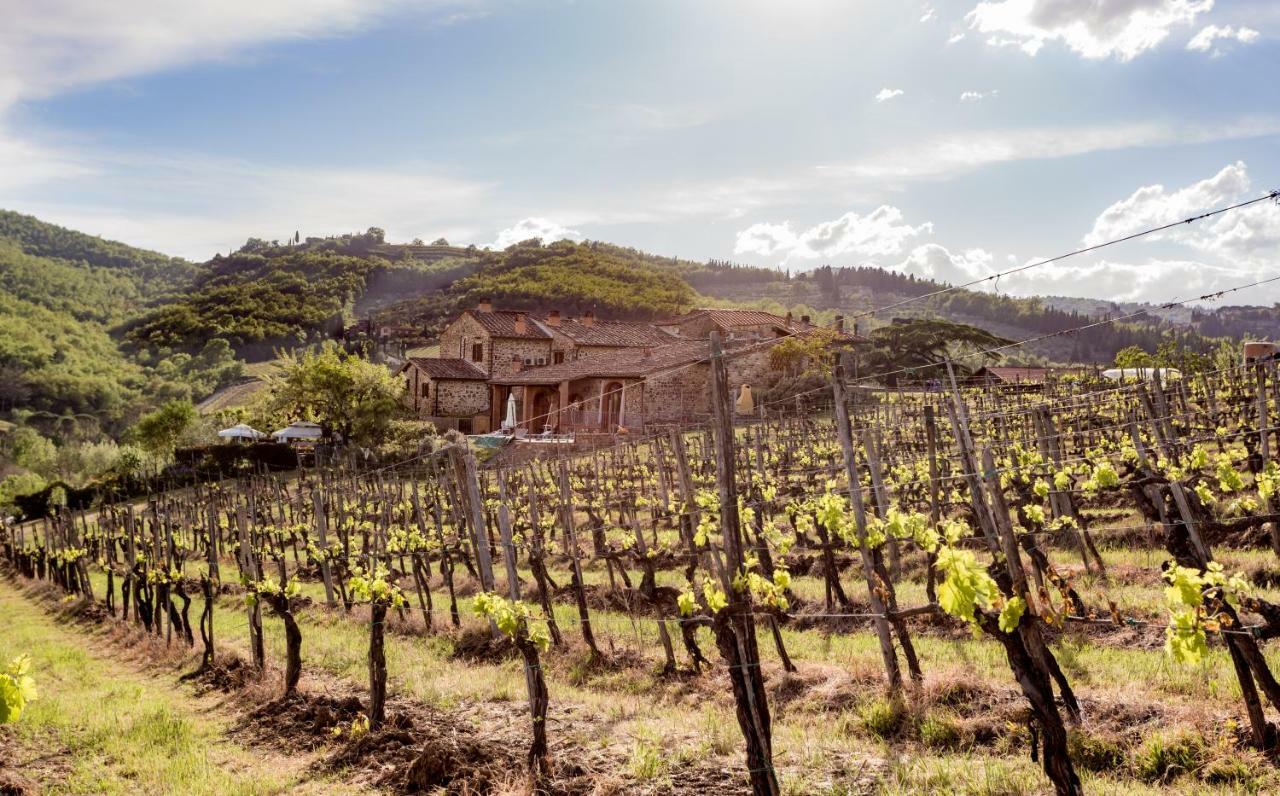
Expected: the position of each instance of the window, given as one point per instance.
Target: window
(464, 425)
(477, 352)
(426, 389)
(558, 357)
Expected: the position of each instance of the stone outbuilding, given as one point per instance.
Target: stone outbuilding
(452, 393)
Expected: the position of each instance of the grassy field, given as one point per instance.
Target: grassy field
(110, 721)
(1150, 726)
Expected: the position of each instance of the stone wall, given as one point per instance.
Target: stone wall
(458, 337)
(461, 398)
(429, 399)
(685, 393)
(414, 400)
(504, 348)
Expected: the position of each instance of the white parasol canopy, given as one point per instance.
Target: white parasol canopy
(745, 404)
(241, 431)
(510, 421)
(299, 430)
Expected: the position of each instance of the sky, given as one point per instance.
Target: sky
(952, 140)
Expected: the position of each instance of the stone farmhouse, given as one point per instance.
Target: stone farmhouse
(587, 374)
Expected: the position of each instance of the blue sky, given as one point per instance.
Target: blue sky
(949, 139)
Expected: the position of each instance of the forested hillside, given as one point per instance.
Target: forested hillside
(102, 329)
(62, 293)
(612, 281)
(855, 291)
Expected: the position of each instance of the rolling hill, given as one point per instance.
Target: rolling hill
(104, 330)
(62, 296)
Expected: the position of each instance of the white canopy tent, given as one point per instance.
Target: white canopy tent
(299, 431)
(241, 431)
(1141, 374)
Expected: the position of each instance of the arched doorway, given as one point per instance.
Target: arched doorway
(611, 407)
(545, 404)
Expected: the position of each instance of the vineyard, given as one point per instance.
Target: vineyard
(1079, 580)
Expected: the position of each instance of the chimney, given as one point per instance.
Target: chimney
(553, 318)
(521, 325)
(789, 318)
(804, 319)
(517, 364)
(588, 318)
(839, 323)
(855, 328)
(485, 305)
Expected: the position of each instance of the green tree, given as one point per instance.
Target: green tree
(30, 449)
(1134, 357)
(919, 348)
(1172, 354)
(807, 354)
(17, 485)
(345, 394)
(160, 431)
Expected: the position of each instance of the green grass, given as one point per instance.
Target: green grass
(101, 727)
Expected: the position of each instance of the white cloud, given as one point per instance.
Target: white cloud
(55, 45)
(879, 233)
(1154, 280)
(888, 94)
(194, 206)
(978, 96)
(1120, 29)
(949, 155)
(928, 14)
(542, 228)
(24, 163)
(955, 37)
(1204, 41)
(1250, 235)
(936, 262)
(1152, 205)
(182, 203)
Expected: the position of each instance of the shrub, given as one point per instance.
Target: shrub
(1093, 752)
(1165, 758)
(884, 718)
(941, 732)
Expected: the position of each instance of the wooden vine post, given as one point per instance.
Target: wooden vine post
(893, 672)
(249, 568)
(734, 625)
(568, 522)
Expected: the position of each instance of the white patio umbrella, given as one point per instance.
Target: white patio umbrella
(745, 404)
(510, 420)
(241, 431)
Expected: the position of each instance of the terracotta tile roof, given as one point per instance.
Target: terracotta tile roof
(1024, 375)
(729, 318)
(502, 323)
(623, 334)
(454, 368)
(633, 364)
